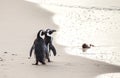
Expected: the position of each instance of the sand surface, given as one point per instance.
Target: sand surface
(19, 23)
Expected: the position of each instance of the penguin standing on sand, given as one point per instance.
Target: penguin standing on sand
(48, 41)
(40, 49)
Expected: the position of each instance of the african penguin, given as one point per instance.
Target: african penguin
(48, 40)
(40, 49)
(87, 46)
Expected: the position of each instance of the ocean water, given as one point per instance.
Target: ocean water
(85, 3)
(94, 22)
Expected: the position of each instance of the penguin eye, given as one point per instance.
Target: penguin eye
(48, 34)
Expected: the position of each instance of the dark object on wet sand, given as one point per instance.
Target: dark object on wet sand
(87, 46)
(5, 52)
(14, 54)
(41, 51)
(48, 41)
(1, 59)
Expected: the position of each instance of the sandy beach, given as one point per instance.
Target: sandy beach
(19, 23)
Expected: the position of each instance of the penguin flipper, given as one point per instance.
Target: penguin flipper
(33, 46)
(51, 47)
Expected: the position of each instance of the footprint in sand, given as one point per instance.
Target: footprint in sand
(1, 59)
(5, 52)
(14, 54)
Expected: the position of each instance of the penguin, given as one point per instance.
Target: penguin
(48, 41)
(40, 49)
(87, 46)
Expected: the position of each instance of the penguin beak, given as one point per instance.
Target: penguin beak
(53, 30)
(50, 31)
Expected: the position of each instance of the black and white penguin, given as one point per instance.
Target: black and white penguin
(48, 41)
(87, 46)
(40, 49)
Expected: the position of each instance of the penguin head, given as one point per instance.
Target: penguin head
(86, 45)
(48, 32)
(40, 33)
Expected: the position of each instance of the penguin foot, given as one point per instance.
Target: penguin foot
(35, 64)
(49, 61)
(43, 62)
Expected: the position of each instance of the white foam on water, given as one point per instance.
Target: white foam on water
(109, 75)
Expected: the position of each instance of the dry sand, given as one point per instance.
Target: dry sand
(20, 21)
